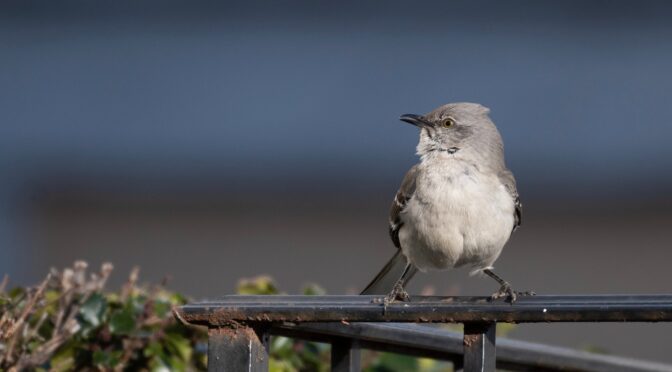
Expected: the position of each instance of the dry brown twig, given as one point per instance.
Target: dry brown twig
(3, 283)
(15, 330)
(127, 289)
(13, 334)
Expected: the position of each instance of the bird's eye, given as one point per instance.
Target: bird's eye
(449, 122)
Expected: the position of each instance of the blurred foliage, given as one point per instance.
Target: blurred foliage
(69, 323)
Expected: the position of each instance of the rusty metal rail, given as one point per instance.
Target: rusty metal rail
(437, 343)
(240, 327)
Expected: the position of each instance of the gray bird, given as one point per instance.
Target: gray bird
(457, 207)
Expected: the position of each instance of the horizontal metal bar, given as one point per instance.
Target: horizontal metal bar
(530, 309)
(434, 342)
(409, 339)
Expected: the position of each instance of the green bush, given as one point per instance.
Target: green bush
(68, 323)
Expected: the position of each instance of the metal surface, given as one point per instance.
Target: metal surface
(434, 342)
(237, 350)
(603, 308)
(479, 347)
(240, 327)
(345, 355)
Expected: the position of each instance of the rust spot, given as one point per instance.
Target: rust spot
(470, 339)
(259, 318)
(234, 330)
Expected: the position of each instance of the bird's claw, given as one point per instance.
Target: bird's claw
(511, 296)
(504, 291)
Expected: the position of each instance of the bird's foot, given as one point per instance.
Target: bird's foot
(397, 293)
(505, 291)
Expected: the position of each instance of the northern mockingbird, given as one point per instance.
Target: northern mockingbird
(457, 207)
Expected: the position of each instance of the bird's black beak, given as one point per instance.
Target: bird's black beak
(416, 120)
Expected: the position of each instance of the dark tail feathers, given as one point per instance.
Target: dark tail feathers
(383, 283)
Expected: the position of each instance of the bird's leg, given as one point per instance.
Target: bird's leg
(505, 290)
(398, 292)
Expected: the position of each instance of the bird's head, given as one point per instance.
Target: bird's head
(457, 128)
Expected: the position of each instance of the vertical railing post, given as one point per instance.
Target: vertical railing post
(238, 348)
(479, 347)
(345, 356)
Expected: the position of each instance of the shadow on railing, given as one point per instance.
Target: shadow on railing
(240, 328)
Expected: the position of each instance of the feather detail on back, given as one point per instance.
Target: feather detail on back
(507, 179)
(404, 193)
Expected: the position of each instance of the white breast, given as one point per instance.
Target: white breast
(457, 216)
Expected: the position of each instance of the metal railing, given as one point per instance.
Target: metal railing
(240, 328)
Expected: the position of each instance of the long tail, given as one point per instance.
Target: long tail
(393, 270)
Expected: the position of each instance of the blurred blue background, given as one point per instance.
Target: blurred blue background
(212, 141)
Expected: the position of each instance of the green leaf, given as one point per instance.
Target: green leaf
(91, 312)
(261, 285)
(32, 345)
(313, 290)
(154, 349)
(16, 291)
(112, 297)
(433, 365)
(52, 295)
(162, 308)
(276, 365)
(176, 364)
(178, 299)
(106, 359)
(136, 304)
(179, 346)
(394, 362)
(122, 322)
(157, 364)
(64, 359)
(503, 329)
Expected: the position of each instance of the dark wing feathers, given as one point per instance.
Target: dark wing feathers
(395, 267)
(404, 193)
(506, 177)
(519, 212)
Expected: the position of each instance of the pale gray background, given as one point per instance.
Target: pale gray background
(209, 142)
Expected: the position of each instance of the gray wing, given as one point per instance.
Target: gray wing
(402, 197)
(384, 282)
(507, 179)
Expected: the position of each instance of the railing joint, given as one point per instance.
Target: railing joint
(239, 347)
